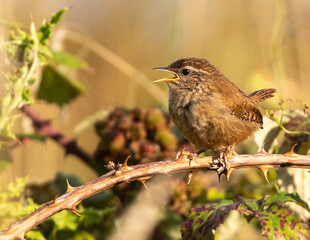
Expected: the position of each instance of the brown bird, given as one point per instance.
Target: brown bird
(208, 109)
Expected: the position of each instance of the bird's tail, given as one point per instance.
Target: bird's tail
(261, 95)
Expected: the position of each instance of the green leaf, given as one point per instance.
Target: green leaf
(58, 88)
(65, 220)
(90, 216)
(16, 188)
(283, 197)
(82, 235)
(202, 220)
(35, 235)
(278, 222)
(45, 30)
(68, 59)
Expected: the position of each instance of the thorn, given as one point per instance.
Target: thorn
(55, 199)
(125, 163)
(228, 173)
(69, 187)
(75, 212)
(124, 167)
(265, 170)
(190, 176)
(143, 182)
(262, 149)
(291, 152)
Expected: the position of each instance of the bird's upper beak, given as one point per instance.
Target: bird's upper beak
(167, 79)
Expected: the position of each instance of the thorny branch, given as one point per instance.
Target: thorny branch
(124, 173)
(45, 128)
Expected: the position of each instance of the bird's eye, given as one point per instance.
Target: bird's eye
(186, 71)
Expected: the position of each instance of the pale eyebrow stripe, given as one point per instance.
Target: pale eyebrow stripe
(196, 69)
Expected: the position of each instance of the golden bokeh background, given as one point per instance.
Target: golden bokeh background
(257, 44)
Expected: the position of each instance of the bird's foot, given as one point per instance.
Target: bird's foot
(221, 164)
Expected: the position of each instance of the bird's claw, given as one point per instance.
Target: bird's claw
(221, 164)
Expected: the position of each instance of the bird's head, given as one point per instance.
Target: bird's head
(187, 72)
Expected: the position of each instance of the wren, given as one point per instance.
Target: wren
(210, 110)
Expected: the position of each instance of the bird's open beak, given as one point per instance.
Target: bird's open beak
(167, 79)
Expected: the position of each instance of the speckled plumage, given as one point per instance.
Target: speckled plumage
(208, 109)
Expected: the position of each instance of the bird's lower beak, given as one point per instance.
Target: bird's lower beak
(167, 79)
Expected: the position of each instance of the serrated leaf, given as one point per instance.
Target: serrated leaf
(68, 60)
(252, 205)
(283, 197)
(202, 220)
(44, 51)
(278, 222)
(57, 16)
(46, 29)
(58, 88)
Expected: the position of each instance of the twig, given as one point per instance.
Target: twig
(44, 127)
(124, 173)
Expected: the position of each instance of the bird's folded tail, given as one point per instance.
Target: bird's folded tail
(261, 95)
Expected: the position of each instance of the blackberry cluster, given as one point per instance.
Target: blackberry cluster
(145, 135)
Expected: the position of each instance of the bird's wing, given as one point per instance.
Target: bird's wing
(246, 110)
(240, 105)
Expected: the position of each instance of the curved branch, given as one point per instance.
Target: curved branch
(124, 173)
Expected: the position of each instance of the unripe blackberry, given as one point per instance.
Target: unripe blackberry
(118, 143)
(137, 131)
(138, 114)
(155, 119)
(113, 140)
(166, 139)
(124, 122)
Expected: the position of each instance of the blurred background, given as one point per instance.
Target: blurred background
(256, 44)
